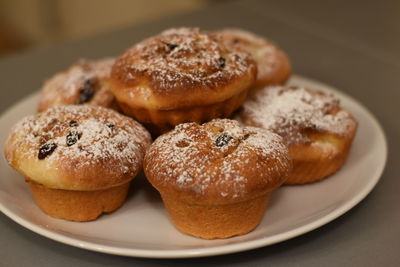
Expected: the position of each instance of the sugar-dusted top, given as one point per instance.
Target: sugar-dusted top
(182, 59)
(273, 66)
(81, 83)
(292, 111)
(217, 161)
(78, 146)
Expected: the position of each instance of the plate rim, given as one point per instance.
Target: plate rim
(227, 248)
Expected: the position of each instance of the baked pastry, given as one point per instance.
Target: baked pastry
(181, 75)
(273, 65)
(85, 82)
(318, 132)
(216, 178)
(77, 159)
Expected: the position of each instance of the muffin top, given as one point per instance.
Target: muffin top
(295, 112)
(218, 161)
(83, 83)
(77, 147)
(180, 67)
(273, 66)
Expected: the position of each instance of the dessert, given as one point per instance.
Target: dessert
(273, 65)
(77, 159)
(181, 75)
(215, 179)
(317, 130)
(85, 82)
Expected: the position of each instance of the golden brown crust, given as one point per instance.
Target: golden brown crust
(216, 221)
(180, 68)
(85, 82)
(273, 65)
(76, 205)
(324, 155)
(216, 163)
(319, 133)
(77, 147)
(161, 121)
(215, 179)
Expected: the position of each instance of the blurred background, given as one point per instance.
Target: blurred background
(27, 23)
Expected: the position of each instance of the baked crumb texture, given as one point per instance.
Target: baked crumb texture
(273, 65)
(181, 75)
(85, 82)
(76, 157)
(318, 132)
(216, 178)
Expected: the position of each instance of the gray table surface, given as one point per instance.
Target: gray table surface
(352, 45)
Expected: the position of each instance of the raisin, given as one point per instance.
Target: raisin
(222, 140)
(222, 62)
(73, 123)
(171, 46)
(72, 138)
(46, 150)
(87, 92)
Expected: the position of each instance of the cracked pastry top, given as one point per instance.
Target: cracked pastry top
(273, 65)
(181, 69)
(317, 130)
(217, 162)
(294, 111)
(77, 147)
(85, 82)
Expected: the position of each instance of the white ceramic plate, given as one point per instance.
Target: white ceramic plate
(141, 227)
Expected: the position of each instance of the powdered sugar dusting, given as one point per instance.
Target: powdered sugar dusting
(104, 136)
(289, 111)
(190, 157)
(184, 57)
(263, 51)
(64, 87)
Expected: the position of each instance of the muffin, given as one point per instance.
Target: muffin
(181, 75)
(317, 130)
(77, 159)
(273, 65)
(215, 179)
(85, 82)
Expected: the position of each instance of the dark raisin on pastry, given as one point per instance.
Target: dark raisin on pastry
(221, 61)
(73, 123)
(87, 92)
(46, 150)
(222, 140)
(72, 138)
